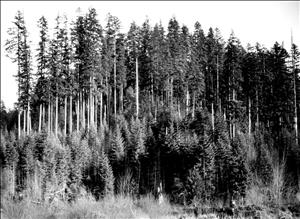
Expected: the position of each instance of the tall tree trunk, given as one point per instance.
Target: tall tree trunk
(30, 128)
(96, 113)
(115, 81)
(65, 108)
(24, 121)
(40, 117)
(187, 100)
(257, 110)
(43, 116)
(194, 99)
(83, 111)
(213, 116)
(156, 107)
(28, 118)
(49, 120)
(77, 114)
(295, 104)
(218, 98)
(71, 115)
(178, 108)
(93, 111)
(19, 122)
(121, 98)
(56, 114)
(51, 117)
(249, 116)
(171, 94)
(107, 109)
(101, 108)
(104, 115)
(88, 112)
(152, 90)
(137, 86)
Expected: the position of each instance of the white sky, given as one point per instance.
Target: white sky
(252, 21)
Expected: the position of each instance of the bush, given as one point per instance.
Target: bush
(151, 207)
(126, 185)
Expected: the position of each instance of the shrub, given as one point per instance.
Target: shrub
(151, 207)
(116, 152)
(126, 185)
(101, 180)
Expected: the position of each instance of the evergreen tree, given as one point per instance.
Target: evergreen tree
(112, 30)
(281, 93)
(42, 86)
(173, 58)
(196, 78)
(232, 79)
(295, 56)
(17, 48)
(121, 69)
(133, 51)
(93, 57)
(158, 57)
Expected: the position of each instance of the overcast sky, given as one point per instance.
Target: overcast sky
(252, 21)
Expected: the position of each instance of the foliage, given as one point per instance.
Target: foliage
(211, 115)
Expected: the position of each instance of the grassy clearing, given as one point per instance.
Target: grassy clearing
(118, 207)
(110, 207)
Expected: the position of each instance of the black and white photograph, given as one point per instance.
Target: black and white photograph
(150, 110)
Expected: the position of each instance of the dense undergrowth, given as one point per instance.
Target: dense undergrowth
(108, 172)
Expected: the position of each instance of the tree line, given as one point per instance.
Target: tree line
(157, 96)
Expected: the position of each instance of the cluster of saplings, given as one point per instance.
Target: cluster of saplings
(192, 161)
(113, 113)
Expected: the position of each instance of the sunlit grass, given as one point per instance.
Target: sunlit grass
(89, 208)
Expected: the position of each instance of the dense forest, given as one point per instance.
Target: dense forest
(180, 111)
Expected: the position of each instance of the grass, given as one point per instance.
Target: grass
(89, 208)
(119, 207)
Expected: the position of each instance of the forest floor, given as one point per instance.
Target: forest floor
(125, 207)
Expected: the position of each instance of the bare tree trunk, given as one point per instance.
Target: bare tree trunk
(194, 99)
(28, 118)
(152, 91)
(171, 104)
(71, 115)
(65, 125)
(213, 116)
(24, 121)
(40, 118)
(295, 105)
(19, 123)
(187, 100)
(105, 112)
(150, 101)
(121, 98)
(218, 98)
(107, 102)
(249, 116)
(30, 128)
(49, 120)
(257, 110)
(233, 130)
(96, 113)
(115, 81)
(178, 108)
(51, 117)
(137, 85)
(88, 111)
(83, 111)
(93, 111)
(101, 109)
(77, 114)
(56, 115)
(43, 116)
